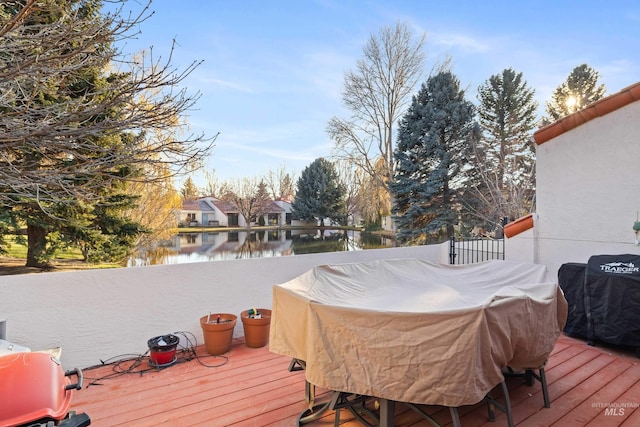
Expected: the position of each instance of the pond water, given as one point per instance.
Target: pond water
(227, 245)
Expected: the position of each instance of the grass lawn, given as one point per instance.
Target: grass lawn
(13, 262)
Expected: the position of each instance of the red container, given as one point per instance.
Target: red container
(33, 386)
(159, 357)
(162, 349)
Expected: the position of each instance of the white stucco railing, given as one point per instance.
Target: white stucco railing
(98, 314)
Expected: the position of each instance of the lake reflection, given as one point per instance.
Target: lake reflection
(216, 246)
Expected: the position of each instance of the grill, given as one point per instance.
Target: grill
(36, 391)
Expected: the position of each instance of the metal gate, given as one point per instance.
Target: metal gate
(468, 251)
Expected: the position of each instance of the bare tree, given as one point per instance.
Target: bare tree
(79, 120)
(351, 179)
(247, 196)
(46, 45)
(281, 183)
(212, 184)
(377, 93)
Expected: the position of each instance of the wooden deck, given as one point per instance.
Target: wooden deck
(253, 387)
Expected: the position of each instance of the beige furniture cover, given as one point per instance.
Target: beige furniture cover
(413, 331)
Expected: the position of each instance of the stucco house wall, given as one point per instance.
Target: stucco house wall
(210, 211)
(204, 211)
(588, 184)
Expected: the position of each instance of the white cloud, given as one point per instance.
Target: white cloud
(458, 41)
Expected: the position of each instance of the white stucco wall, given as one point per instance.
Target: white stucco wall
(99, 314)
(588, 189)
(521, 248)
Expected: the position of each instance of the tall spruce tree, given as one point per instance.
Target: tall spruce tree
(432, 153)
(579, 90)
(319, 194)
(503, 183)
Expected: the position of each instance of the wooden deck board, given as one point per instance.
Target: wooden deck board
(255, 388)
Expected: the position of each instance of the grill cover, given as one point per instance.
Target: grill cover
(612, 299)
(414, 331)
(32, 387)
(571, 278)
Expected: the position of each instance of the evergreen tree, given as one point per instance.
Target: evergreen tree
(74, 131)
(262, 202)
(287, 188)
(189, 190)
(432, 153)
(579, 90)
(503, 183)
(319, 193)
(96, 225)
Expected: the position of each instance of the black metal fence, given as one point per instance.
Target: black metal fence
(468, 251)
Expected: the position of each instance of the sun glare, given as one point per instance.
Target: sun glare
(572, 102)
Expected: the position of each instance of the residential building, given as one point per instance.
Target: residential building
(212, 212)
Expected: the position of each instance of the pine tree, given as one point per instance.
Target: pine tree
(433, 149)
(189, 190)
(262, 202)
(319, 194)
(579, 90)
(503, 183)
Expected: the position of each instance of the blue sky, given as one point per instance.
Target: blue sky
(273, 69)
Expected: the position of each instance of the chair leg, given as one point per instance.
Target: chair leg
(506, 408)
(530, 374)
(545, 390)
(455, 417)
(507, 403)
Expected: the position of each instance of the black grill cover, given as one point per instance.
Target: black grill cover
(612, 299)
(571, 281)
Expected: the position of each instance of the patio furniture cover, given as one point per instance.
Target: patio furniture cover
(409, 330)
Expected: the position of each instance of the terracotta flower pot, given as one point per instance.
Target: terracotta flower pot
(218, 332)
(256, 329)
